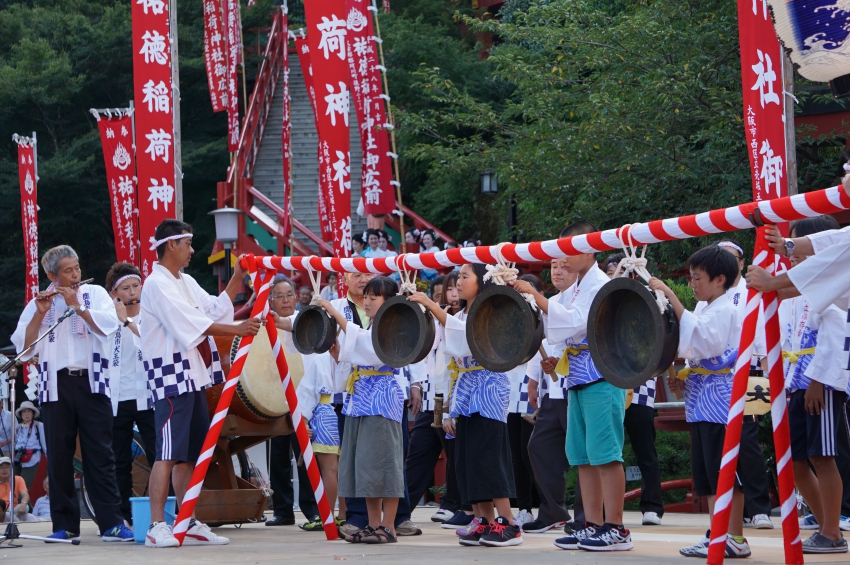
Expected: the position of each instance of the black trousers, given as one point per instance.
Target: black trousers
(519, 432)
(752, 471)
(640, 425)
(281, 450)
(548, 456)
(426, 443)
(78, 410)
(122, 448)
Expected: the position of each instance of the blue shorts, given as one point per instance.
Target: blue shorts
(182, 423)
(595, 415)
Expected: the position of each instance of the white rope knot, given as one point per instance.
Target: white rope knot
(631, 263)
(408, 278)
(505, 273)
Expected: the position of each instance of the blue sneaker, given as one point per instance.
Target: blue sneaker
(118, 533)
(63, 535)
(808, 522)
(459, 520)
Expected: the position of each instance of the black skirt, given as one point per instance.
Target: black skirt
(483, 459)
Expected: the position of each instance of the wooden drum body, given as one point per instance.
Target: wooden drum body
(402, 333)
(503, 331)
(629, 339)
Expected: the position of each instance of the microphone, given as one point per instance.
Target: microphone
(68, 313)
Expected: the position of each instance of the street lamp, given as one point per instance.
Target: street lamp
(227, 232)
(489, 184)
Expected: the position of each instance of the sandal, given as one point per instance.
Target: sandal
(360, 537)
(380, 535)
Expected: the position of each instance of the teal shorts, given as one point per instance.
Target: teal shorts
(595, 424)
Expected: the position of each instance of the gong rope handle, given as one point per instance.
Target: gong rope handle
(545, 356)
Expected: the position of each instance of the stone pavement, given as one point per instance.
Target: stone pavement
(255, 544)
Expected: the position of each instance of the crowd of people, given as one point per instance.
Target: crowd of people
(140, 354)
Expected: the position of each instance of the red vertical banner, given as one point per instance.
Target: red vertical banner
(116, 137)
(154, 121)
(215, 55)
(234, 36)
(286, 131)
(326, 31)
(29, 213)
(764, 101)
(303, 51)
(376, 178)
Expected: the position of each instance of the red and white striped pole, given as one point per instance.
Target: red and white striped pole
(325, 509)
(187, 506)
(765, 258)
(781, 432)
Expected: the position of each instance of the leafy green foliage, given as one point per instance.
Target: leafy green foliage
(58, 58)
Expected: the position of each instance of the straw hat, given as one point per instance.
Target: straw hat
(27, 405)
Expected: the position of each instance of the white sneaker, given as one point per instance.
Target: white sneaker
(733, 549)
(441, 515)
(762, 522)
(159, 535)
(844, 523)
(523, 517)
(200, 534)
(651, 519)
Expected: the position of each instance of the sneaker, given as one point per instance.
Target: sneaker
(502, 533)
(466, 530)
(475, 531)
(762, 522)
(407, 528)
(159, 535)
(539, 526)
(651, 519)
(808, 522)
(733, 549)
(348, 530)
(63, 535)
(441, 515)
(459, 520)
(844, 523)
(314, 525)
(608, 538)
(523, 517)
(118, 533)
(200, 534)
(821, 544)
(572, 541)
(692, 550)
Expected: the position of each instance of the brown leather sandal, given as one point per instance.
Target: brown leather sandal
(380, 534)
(360, 537)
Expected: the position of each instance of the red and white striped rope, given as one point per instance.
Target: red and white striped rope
(734, 423)
(300, 425)
(826, 201)
(260, 310)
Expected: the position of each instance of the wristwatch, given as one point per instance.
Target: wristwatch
(81, 309)
(128, 321)
(789, 247)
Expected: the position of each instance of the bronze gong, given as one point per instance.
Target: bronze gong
(503, 331)
(402, 333)
(313, 331)
(630, 340)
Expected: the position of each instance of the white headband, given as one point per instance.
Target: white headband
(124, 278)
(732, 246)
(157, 242)
(847, 167)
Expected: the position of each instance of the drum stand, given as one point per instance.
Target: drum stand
(12, 532)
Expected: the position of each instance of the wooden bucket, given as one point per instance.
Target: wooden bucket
(402, 333)
(630, 341)
(313, 331)
(503, 331)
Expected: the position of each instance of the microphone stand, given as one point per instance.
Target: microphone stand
(12, 532)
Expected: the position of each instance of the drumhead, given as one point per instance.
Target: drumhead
(260, 387)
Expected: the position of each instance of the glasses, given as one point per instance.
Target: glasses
(290, 296)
